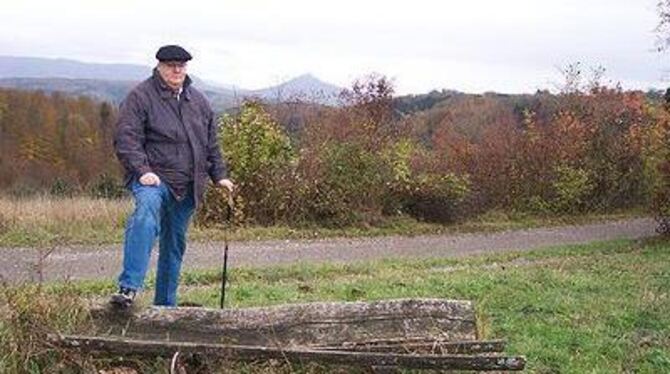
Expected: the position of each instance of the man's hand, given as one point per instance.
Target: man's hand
(227, 183)
(150, 179)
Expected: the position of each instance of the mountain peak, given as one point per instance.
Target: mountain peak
(305, 77)
(305, 86)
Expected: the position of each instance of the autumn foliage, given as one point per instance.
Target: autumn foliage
(438, 157)
(56, 143)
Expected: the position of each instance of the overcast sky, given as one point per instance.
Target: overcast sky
(470, 45)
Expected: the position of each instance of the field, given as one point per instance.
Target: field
(598, 308)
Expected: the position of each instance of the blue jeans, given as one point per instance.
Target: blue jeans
(157, 213)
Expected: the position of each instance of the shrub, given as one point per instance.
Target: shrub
(62, 188)
(535, 205)
(436, 197)
(106, 186)
(260, 161)
(657, 165)
(347, 187)
(398, 157)
(571, 186)
(661, 198)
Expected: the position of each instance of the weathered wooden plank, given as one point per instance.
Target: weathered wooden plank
(300, 324)
(422, 346)
(119, 346)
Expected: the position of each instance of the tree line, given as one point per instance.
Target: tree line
(587, 148)
(57, 143)
(438, 157)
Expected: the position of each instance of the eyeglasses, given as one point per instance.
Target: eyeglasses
(176, 65)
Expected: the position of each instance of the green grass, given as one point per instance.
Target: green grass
(47, 221)
(597, 308)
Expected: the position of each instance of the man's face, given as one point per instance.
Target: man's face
(173, 73)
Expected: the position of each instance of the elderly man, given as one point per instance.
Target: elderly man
(167, 142)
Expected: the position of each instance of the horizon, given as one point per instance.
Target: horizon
(232, 86)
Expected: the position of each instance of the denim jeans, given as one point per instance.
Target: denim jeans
(157, 214)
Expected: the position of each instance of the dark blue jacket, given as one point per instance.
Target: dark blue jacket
(175, 138)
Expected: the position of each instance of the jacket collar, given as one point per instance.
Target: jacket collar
(165, 91)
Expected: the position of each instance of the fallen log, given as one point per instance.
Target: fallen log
(421, 346)
(120, 346)
(298, 324)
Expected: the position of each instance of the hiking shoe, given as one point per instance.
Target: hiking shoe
(123, 298)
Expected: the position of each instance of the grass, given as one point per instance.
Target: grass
(46, 221)
(597, 308)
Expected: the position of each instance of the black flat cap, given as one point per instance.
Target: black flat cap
(172, 53)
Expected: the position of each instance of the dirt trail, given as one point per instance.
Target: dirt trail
(103, 262)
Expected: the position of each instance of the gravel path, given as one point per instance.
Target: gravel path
(103, 262)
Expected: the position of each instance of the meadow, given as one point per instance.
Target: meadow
(596, 308)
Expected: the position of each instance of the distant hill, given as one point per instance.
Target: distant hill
(111, 82)
(305, 87)
(408, 104)
(111, 91)
(31, 67)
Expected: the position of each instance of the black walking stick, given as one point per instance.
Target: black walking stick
(224, 274)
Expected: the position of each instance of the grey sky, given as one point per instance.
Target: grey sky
(473, 46)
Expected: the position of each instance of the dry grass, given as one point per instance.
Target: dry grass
(28, 316)
(41, 221)
(44, 210)
(45, 219)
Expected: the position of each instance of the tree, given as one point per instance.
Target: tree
(663, 27)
